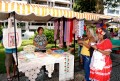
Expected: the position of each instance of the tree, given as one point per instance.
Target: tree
(94, 5)
(84, 5)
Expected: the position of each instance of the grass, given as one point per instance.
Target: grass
(24, 43)
(2, 53)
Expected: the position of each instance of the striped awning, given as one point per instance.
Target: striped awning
(116, 19)
(29, 12)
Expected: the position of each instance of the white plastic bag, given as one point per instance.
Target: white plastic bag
(9, 36)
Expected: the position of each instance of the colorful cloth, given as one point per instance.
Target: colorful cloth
(81, 28)
(61, 32)
(71, 30)
(56, 24)
(65, 31)
(40, 40)
(76, 28)
(68, 33)
(104, 73)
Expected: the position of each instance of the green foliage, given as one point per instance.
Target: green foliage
(93, 5)
(84, 6)
(50, 35)
(1, 33)
(27, 42)
(1, 30)
(111, 3)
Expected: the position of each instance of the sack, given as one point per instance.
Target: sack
(9, 37)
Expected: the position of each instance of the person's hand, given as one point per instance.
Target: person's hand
(40, 47)
(80, 42)
(94, 46)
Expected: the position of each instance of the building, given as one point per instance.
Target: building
(32, 26)
(61, 4)
(112, 11)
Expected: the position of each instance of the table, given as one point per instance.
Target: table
(31, 65)
(115, 46)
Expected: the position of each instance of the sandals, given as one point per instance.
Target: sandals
(9, 79)
(14, 76)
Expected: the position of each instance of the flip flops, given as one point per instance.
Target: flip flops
(9, 79)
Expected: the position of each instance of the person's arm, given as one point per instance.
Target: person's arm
(81, 42)
(35, 44)
(107, 52)
(104, 52)
(88, 44)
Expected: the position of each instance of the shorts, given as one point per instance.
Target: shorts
(9, 60)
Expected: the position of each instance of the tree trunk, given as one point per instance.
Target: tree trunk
(99, 6)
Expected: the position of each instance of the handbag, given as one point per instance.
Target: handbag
(9, 35)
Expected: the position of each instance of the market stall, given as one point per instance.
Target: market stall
(30, 63)
(34, 12)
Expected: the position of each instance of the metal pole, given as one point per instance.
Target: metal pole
(16, 45)
(74, 54)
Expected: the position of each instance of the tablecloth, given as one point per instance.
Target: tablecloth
(31, 64)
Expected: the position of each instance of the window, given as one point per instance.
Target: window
(117, 11)
(48, 24)
(51, 24)
(60, 5)
(111, 11)
(42, 2)
(38, 24)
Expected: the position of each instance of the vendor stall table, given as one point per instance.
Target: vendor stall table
(115, 46)
(115, 43)
(30, 64)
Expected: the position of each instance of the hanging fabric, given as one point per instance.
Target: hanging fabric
(76, 28)
(61, 32)
(65, 30)
(81, 28)
(56, 26)
(68, 33)
(71, 31)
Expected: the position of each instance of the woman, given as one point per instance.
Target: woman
(101, 64)
(40, 41)
(85, 51)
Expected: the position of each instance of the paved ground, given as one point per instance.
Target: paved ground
(79, 73)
